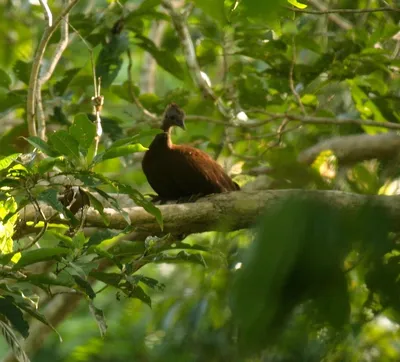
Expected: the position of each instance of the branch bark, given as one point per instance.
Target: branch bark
(352, 149)
(224, 212)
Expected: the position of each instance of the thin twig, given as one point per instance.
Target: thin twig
(180, 24)
(291, 80)
(343, 11)
(62, 45)
(335, 18)
(97, 102)
(320, 120)
(47, 12)
(132, 92)
(42, 230)
(37, 61)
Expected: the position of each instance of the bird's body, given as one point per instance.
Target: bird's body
(176, 171)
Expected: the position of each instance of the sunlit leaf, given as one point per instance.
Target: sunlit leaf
(35, 256)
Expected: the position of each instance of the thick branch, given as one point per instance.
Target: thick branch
(225, 212)
(351, 149)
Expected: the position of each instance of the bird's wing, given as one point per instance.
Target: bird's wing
(196, 172)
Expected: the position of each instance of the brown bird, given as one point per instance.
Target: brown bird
(178, 172)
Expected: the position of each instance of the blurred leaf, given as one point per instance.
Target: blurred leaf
(9, 309)
(42, 146)
(83, 131)
(13, 342)
(98, 206)
(297, 4)
(164, 58)
(40, 317)
(49, 163)
(260, 9)
(109, 61)
(213, 8)
(292, 265)
(61, 86)
(64, 143)
(99, 236)
(35, 256)
(5, 80)
(50, 197)
(22, 70)
(84, 286)
(8, 160)
(182, 256)
(139, 200)
(135, 138)
(115, 152)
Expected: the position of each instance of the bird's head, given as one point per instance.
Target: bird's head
(173, 116)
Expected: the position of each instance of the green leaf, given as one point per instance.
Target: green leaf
(35, 256)
(213, 8)
(182, 256)
(109, 61)
(40, 317)
(164, 58)
(147, 5)
(50, 197)
(64, 143)
(98, 206)
(101, 235)
(14, 315)
(118, 152)
(140, 294)
(79, 240)
(84, 286)
(5, 80)
(42, 146)
(61, 86)
(112, 279)
(49, 163)
(140, 200)
(43, 280)
(83, 131)
(22, 70)
(8, 160)
(135, 138)
(13, 342)
(297, 4)
(150, 282)
(260, 9)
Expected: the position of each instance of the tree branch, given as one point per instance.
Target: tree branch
(344, 11)
(320, 120)
(222, 212)
(37, 61)
(352, 149)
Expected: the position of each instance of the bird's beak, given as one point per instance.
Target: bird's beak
(182, 124)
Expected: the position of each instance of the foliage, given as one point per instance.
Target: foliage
(277, 77)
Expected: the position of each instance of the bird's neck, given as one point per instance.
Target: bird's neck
(165, 137)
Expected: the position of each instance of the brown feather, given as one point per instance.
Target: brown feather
(175, 171)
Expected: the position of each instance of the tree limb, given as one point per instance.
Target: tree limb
(355, 148)
(223, 212)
